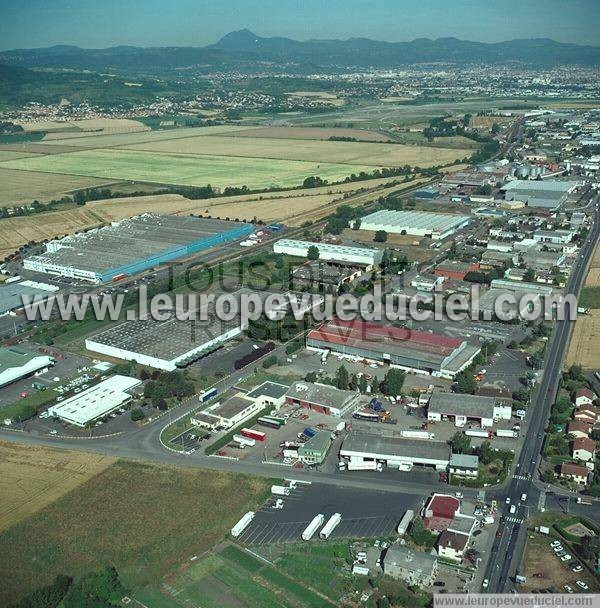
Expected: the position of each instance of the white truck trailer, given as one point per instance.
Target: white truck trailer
(313, 526)
(244, 440)
(330, 526)
(242, 524)
(477, 433)
(405, 522)
(280, 491)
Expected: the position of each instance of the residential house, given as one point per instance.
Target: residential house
(413, 567)
(584, 396)
(578, 429)
(575, 472)
(583, 449)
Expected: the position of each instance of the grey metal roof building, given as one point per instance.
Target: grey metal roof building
(471, 406)
(418, 223)
(414, 567)
(322, 397)
(395, 450)
(548, 194)
(133, 245)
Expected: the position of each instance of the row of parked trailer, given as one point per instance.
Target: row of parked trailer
(317, 522)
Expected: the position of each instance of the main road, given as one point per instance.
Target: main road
(508, 548)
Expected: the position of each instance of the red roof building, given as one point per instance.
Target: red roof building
(454, 269)
(440, 511)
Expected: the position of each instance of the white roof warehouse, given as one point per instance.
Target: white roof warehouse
(95, 402)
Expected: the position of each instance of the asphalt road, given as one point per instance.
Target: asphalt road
(508, 548)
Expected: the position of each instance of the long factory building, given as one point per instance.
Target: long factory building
(437, 226)
(133, 245)
(329, 252)
(417, 351)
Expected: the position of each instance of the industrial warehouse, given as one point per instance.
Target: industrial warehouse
(95, 402)
(17, 363)
(547, 194)
(467, 408)
(417, 223)
(327, 252)
(163, 344)
(322, 398)
(133, 245)
(394, 452)
(417, 351)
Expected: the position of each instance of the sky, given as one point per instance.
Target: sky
(103, 23)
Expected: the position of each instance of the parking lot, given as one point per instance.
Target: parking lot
(365, 514)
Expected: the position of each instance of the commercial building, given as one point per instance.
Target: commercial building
(12, 294)
(426, 282)
(542, 260)
(464, 465)
(17, 363)
(546, 194)
(394, 452)
(454, 269)
(164, 344)
(553, 236)
(324, 277)
(133, 245)
(315, 449)
(417, 223)
(233, 409)
(322, 398)
(463, 409)
(95, 402)
(269, 394)
(440, 511)
(413, 567)
(412, 350)
(329, 252)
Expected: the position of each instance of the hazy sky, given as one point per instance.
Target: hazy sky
(102, 23)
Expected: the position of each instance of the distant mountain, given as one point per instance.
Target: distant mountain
(244, 49)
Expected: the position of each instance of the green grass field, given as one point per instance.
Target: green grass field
(590, 297)
(186, 169)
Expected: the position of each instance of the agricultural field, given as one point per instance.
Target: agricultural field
(11, 155)
(144, 519)
(312, 133)
(19, 187)
(123, 139)
(186, 169)
(351, 153)
(17, 231)
(31, 478)
(593, 277)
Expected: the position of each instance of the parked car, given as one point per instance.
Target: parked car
(568, 589)
(565, 558)
(582, 585)
(576, 568)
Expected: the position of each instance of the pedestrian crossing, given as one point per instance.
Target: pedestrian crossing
(522, 477)
(514, 520)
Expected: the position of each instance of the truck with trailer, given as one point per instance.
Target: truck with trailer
(242, 524)
(405, 522)
(584, 501)
(364, 465)
(280, 490)
(269, 423)
(507, 433)
(244, 440)
(478, 433)
(330, 526)
(252, 434)
(313, 526)
(417, 434)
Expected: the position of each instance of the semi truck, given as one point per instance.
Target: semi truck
(209, 394)
(507, 433)
(242, 524)
(280, 490)
(313, 526)
(417, 434)
(244, 440)
(478, 433)
(330, 526)
(364, 465)
(405, 522)
(252, 434)
(269, 422)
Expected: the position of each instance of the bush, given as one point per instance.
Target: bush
(270, 361)
(137, 414)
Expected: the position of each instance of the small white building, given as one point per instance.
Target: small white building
(426, 282)
(95, 402)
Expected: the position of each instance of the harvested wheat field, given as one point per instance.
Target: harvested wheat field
(593, 277)
(584, 348)
(312, 133)
(17, 231)
(144, 519)
(32, 477)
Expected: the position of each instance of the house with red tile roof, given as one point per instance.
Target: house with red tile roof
(575, 472)
(579, 428)
(583, 449)
(584, 396)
